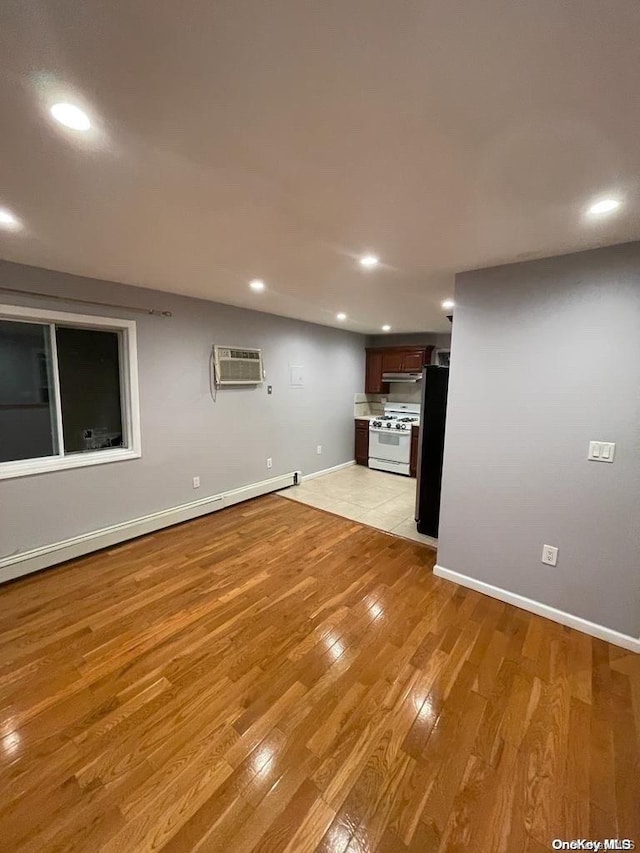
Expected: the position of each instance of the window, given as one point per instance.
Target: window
(68, 391)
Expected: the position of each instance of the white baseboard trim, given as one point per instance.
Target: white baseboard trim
(591, 628)
(328, 470)
(33, 560)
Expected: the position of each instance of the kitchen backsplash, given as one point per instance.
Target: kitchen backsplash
(367, 404)
(402, 393)
(373, 404)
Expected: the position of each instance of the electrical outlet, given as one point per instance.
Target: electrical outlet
(196, 482)
(549, 555)
(269, 462)
(269, 389)
(319, 449)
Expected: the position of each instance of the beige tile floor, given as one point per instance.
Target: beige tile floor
(381, 500)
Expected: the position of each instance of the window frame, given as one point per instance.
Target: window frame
(129, 392)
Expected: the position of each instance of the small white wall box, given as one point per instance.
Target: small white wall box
(296, 376)
(235, 366)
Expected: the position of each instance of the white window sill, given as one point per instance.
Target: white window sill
(27, 467)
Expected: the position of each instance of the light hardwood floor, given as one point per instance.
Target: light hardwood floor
(272, 677)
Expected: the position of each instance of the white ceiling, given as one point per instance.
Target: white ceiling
(244, 138)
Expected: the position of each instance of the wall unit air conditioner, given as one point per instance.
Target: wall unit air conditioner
(235, 366)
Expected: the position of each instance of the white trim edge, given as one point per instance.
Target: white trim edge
(540, 609)
(25, 562)
(328, 470)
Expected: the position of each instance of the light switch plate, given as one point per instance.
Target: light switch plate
(601, 451)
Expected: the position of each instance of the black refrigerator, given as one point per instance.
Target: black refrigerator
(435, 382)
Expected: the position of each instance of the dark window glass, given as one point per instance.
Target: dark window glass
(89, 370)
(27, 418)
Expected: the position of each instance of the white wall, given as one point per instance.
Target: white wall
(546, 356)
(184, 433)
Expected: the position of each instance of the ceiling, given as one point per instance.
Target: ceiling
(241, 138)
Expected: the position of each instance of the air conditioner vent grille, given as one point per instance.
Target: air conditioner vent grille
(238, 366)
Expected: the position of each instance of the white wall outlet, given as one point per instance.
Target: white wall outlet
(601, 451)
(319, 449)
(549, 555)
(269, 462)
(196, 482)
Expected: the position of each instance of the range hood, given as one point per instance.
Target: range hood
(402, 377)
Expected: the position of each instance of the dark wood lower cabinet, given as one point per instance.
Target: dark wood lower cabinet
(362, 442)
(413, 461)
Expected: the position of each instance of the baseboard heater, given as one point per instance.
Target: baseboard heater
(25, 562)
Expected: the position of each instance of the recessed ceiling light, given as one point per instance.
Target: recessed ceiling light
(386, 328)
(8, 220)
(605, 205)
(448, 303)
(71, 116)
(257, 284)
(341, 316)
(369, 261)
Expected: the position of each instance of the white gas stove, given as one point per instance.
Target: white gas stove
(390, 437)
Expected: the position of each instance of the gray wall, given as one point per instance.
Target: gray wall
(545, 357)
(183, 432)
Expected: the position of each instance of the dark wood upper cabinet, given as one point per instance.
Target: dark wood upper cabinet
(373, 383)
(415, 360)
(409, 359)
(392, 361)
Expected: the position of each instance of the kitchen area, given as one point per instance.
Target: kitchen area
(398, 442)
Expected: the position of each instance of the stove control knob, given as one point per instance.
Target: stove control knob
(399, 426)
(389, 425)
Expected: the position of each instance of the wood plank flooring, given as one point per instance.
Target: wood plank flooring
(274, 678)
